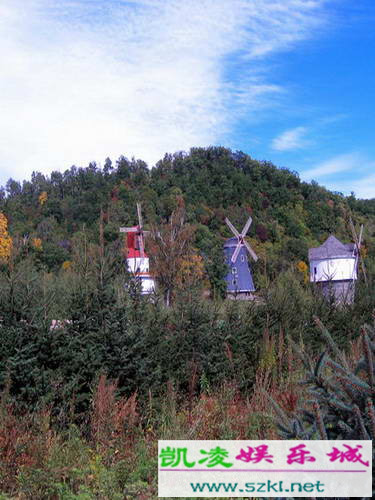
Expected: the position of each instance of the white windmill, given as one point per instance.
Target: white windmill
(334, 268)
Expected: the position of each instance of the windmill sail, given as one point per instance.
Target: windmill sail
(235, 253)
(232, 228)
(140, 234)
(251, 251)
(246, 227)
(241, 239)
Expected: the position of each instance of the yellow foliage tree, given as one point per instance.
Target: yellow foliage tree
(191, 271)
(67, 265)
(37, 243)
(43, 197)
(303, 268)
(6, 241)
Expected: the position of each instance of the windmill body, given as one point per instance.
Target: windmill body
(138, 262)
(239, 279)
(333, 267)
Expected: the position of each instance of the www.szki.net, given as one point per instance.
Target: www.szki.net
(258, 487)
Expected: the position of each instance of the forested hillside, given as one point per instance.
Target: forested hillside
(289, 215)
(196, 369)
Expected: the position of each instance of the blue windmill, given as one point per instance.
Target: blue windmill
(240, 284)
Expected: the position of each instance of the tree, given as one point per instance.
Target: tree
(108, 167)
(191, 273)
(341, 403)
(170, 245)
(5, 239)
(43, 197)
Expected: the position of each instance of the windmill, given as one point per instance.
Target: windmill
(138, 262)
(240, 284)
(333, 267)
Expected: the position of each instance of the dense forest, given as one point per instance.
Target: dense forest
(62, 257)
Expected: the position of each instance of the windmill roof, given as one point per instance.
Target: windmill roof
(332, 248)
(231, 242)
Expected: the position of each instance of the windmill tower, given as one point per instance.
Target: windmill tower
(333, 267)
(138, 262)
(240, 284)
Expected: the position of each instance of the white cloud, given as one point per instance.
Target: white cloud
(290, 139)
(335, 165)
(344, 174)
(362, 184)
(82, 80)
(363, 188)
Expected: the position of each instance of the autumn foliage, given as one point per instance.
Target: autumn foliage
(43, 197)
(303, 269)
(5, 240)
(172, 255)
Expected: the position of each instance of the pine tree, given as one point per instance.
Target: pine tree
(342, 396)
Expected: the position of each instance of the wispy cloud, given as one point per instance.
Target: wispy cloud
(329, 120)
(290, 139)
(362, 188)
(85, 79)
(362, 185)
(335, 165)
(344, 174)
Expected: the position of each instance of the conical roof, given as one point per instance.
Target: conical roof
(332, 248)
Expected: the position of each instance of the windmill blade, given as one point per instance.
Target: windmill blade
(141, 245)
(139, 215)
(232, 228)
(360, 256)
(360, 237)
(236, 252)
(250, 250)
(354, 233)
(358, 246)
(246, 227)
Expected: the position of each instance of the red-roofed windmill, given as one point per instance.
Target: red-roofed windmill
(137, 260)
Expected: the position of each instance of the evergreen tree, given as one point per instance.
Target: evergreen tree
(342, 396)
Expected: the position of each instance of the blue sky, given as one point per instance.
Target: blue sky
(289, 81)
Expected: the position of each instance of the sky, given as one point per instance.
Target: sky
(287, 81)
